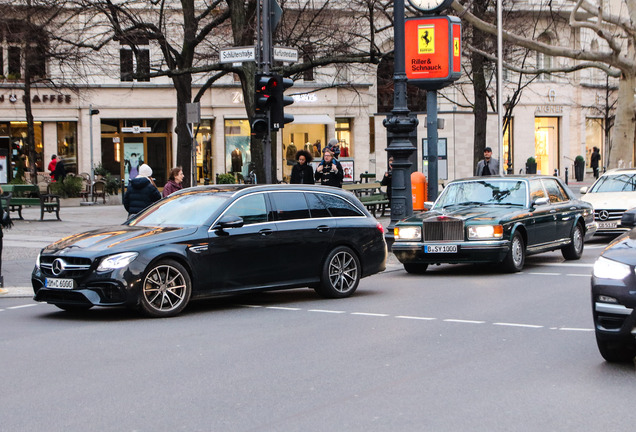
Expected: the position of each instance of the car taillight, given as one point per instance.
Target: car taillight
(380, 227)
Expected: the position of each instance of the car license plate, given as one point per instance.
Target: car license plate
(60, 283)
(441, 249)
(607, 224)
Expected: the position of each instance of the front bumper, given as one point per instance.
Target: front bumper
(614, 321)
(468, 252)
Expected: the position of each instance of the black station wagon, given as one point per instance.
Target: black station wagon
(216, 240)
(495, 219)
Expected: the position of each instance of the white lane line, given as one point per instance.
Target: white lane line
(568, 264)
(326, 311)
(369, 314)
(544, 274)
(415, 318)
(282, 308)
(250, 306)
(464, 321)
(518, 325)
(579, 275)
(575, 329)
(22, 306)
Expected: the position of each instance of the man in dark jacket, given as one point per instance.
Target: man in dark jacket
(141, 191)
(329, 172)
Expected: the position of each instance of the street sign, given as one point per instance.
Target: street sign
(193, 112)
(237, 54)
(276, 13)
(136, 129)
(284, 54)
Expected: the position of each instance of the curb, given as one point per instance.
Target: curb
(17, 292)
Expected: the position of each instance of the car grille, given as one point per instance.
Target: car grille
(444, 229)
(71, 267)
(607, 215)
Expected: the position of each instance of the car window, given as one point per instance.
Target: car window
(536, 190)
(555, 193)
(317, 208)
(484, 192)
(251, 208)
(339, 207)
(184, 209)
(615, 183)
(289, 205)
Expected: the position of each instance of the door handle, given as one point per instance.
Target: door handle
(266, 231)
(322, 228)
(553, 211)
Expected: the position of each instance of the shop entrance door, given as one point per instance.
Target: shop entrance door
(546, 144)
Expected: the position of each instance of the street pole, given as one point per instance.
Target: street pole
(90, 128)
(399, 126)
(500, 88)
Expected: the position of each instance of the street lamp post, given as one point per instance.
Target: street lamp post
(91, 113)
(399, 126)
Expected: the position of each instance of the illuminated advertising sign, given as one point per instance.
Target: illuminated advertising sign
(433, 51)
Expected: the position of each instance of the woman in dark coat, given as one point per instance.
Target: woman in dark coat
(302, 172)
(141, 191)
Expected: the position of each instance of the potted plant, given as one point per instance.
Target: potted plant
(225, 179)
(531, 165)
(579, 168)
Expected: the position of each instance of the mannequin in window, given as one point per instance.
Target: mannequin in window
(237, 160)
(290, 154)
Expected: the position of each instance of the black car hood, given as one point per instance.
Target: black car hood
(623, 249)
(484, 212)
(117, 238)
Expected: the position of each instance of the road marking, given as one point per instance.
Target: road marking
(22, 306)
(568, 264)
(251, 306)
(369, 314)
(575, 329)
(464, 321)
(579, 275)
(326, 311)
(544, 274)
(518, 325)
(282, 308)
(415, 318)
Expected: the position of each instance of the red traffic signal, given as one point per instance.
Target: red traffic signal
(278, 118)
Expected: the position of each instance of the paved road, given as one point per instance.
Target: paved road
(460, 348)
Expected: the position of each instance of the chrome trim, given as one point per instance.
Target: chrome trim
(198, 249)
(612, 308)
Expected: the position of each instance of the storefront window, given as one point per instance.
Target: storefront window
(18, 137)
(593, 137)
(204, 150)
(343, 134)
(310, 137)
(237, 146)
(546, 144)
(67, 145)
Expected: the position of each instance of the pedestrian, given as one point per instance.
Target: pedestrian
(174, 181)
(5, 223)
(488, 165)
(60, 171)
(387, 180)
(329, 171)
(141, 191)
(51, 166)
(333, 146)
(302, 172)
(595, 159)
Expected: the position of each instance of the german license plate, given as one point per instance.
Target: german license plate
(607, 224)
(441, 249)
(60, 283)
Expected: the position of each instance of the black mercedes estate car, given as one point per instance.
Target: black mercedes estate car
(216, 240)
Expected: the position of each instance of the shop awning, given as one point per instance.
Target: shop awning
(313, 119)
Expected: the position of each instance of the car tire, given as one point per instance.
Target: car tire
(516, 257)
(574, 250)
(415, 268)
(340, 274)
(616, 352)
(166, 289)
(74, 308)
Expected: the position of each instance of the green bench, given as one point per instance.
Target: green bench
(18, 195)
(371, 195)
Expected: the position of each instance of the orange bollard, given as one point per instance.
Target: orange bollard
(418, 190)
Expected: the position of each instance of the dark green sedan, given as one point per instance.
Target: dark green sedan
(495, 219)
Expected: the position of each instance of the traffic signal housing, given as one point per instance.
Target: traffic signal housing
(264, 95)
(278, 118)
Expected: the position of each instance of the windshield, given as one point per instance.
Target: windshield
(483, 192)
(615, 183)
(184, 209)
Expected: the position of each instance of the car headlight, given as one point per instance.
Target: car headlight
(117, 261)
(609, 269)
(407, 233)
(485, 232)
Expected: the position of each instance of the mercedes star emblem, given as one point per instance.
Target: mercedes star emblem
(603, 215)
(58, 266)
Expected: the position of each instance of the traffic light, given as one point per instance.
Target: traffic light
(278, 118)
(264, 95)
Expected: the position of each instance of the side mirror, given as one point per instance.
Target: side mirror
(428, 205)
(228, 221)
(583, 190)
(540, 202)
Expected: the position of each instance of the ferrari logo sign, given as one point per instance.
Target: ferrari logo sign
(456, 47)
(426, 39)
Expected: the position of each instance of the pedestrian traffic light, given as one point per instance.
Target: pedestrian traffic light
(264, 95)
(278, 118)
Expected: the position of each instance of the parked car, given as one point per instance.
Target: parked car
(628, 220)
(611, 194)
(495, 219)
(613, 299)
(213, 240)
